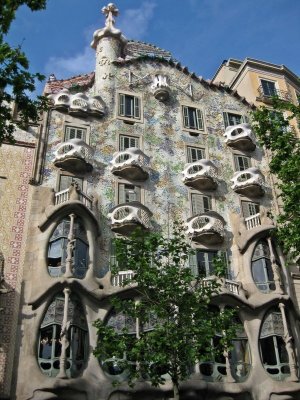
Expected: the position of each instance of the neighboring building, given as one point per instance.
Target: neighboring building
(138, 143)
(258, 81)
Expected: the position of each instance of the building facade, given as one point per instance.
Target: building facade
(140, 142)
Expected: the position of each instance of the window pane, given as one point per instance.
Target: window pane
(234, 119)
(195, 154)
(268, 88)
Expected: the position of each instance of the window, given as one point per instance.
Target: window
(261, 266)
(50, 346)
(192, 118)
(249, 209)
(272, 346)
(129, 193)
(195, 154)
(65, 182)
(73, 132)
(125, 142)
(202, 263)
(241, 162)
(231, 119)
(129, 106)
(268, 88)
(59, 243)
(200, 203)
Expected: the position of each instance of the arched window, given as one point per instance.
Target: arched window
(50, 346)
(68, 236)
(272, 346)
(240, 358)
(261, 266)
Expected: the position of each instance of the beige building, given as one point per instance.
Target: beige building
(258, 81)
(139, 142)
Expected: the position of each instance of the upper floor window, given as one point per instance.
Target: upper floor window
(241, 162)
(129, 106)
(73, 132)
(268, 88)
(249, 209)
(231, 119)
(128, 193)
(192, 118)
(68, 249)
(202, 263)
(200, 203)
(65, 182)
(195, 154)
(262, 271)
(125, 142)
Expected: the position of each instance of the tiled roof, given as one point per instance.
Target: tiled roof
(84, 81)
(136, 48)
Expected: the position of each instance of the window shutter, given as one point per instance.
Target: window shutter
(186, 122)
(190, 154)
(206, 203)
(226, 120)
(193, 264)
(245, 209)
(137, 190)
(121, 193)
(197, 204)
(246, 162)
(137, 108)
(122, 104)
(133, 142)
(199, 119)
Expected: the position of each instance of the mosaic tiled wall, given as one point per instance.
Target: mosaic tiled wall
(15, 170)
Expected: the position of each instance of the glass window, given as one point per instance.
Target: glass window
(65, 182)
(195, 154)
(50, 346)
(200, 203)
(272, 346)
(129, 193)
(241, 162)
(231, 119)
(262, 271)
(129, 106)
(192, 118)
(58, 246)
(249, 209)
(268, 88)
(126, 142)
(72, 132)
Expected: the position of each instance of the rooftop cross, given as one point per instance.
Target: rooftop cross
(109, 11)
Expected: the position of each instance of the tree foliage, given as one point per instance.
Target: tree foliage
(175, 320)
(277, 136)
(16, 81)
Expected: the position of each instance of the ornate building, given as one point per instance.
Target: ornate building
(140, 142)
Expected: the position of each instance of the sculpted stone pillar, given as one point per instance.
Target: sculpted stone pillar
(70, 248)
(64, 337)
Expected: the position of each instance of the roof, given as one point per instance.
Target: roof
(82, 81)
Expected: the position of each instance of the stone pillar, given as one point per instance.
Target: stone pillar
(70, 248)
(229, 378)
(63, 337)
(275, 268)
(289, 345)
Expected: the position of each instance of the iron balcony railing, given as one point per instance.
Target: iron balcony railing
(268, 94)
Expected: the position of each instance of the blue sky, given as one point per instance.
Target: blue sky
(199, 33)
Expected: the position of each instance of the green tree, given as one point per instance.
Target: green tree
(176, 322)
(279, 138)
(16, 81)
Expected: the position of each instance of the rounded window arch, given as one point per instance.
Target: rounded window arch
(50, 337)
(261, 267)
(68, 249)
(273, 352)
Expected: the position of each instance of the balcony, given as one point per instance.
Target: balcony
(267, 96)
(77, 104)
(130, 164)
(160, 87)
(249, 182)
(126, 217)
(240, 137)
(74, 156)
(206, 228)
(121, 278)
(200, 175)
(73, 193)
(253, 221)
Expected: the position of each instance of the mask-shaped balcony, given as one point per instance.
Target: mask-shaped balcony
(130, 164)
(126, 217)
(74, 156)
(206, 228)
(240, 137)
(160, 87)
(200, 175)
(77, 104)
(249, 182)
